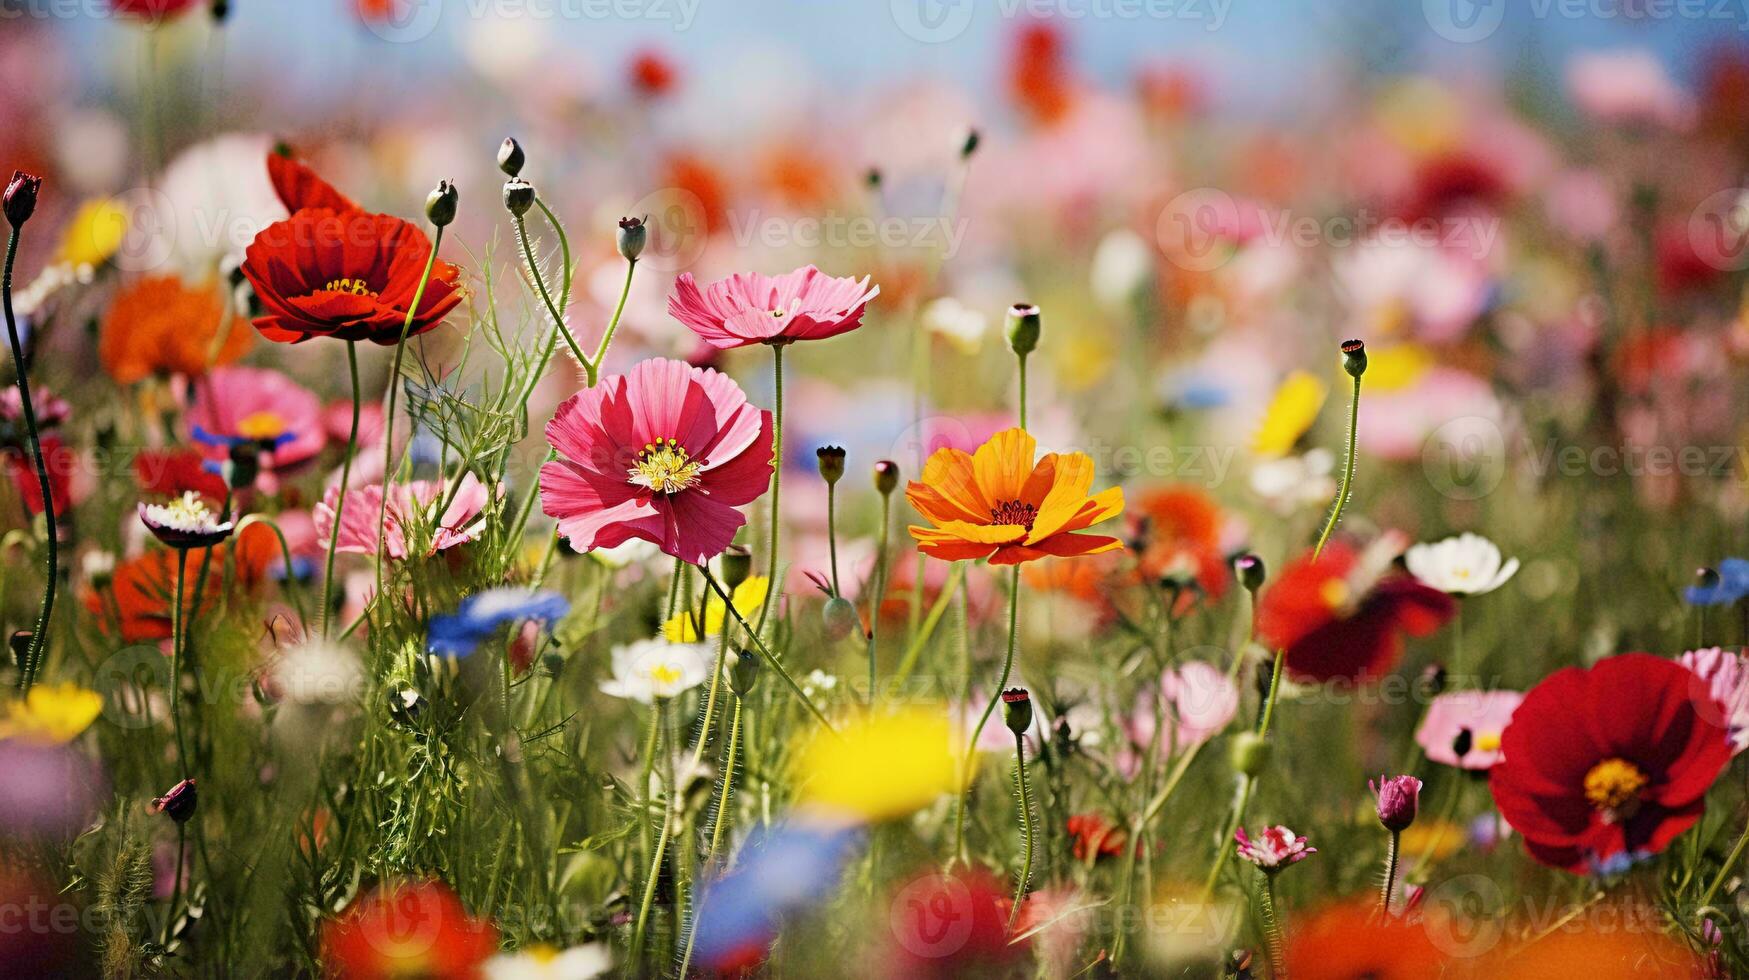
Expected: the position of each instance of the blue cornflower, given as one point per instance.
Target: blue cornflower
(1732, 586)
(481, 614)
(781, 870)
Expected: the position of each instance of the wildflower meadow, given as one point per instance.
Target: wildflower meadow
(1050, 490)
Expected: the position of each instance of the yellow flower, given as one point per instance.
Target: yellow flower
(748, 595)
(1437, 839)
(95, 232)
(1397, 367)
(54, 714)
(1291, 412)
(878, 767)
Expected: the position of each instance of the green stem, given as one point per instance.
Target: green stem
(540, 284)
(592, 368)
(1390, 874)
(776, 480)
(178, 627)
(922, 634)
(832, 533)
(724, 801)
(1725, 869)
(1022, 359)
(39, 637)
(1272, 930)
(389, 416)
(1347, 472)
(968, 762)
(175, 883)
(880, 591)
(758, 644)
(662, 709)
(1025, 830)
(710, 703)
(345, 482)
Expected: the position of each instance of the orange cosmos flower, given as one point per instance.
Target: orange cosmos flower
(998, 504)
(160, 326)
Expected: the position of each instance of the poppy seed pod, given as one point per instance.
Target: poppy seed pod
(518, 196)
(1023, 328)
(969, 143)
(441, 204)
(1354, 357)
(831, 460)
(510, 157)
(1250, 571)
(744, 672)
(886, 476)
(1250, 753)
(840, 617)
(178, 804)
(1017, 710)
(736, 564)
(633, 235)
(20, 200)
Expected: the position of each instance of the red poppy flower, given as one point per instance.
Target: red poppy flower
(1606, 765)
(349, 275)
(1093, 834)
(417, 930)
(1351, 941)
(173, 472)
(60, 462)
(152, 9)
(298, 186)
(135, 608)
(1343, 615)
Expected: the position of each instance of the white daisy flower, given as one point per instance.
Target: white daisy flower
(1468, 564)
(651, 669)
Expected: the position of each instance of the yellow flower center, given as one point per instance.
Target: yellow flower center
(357, 287)
(1488, 742)
(665, 674)
(664, 467)
(1014, 512)
(1613, 786)
(1334, 593)
(261, 425)
(189, 509)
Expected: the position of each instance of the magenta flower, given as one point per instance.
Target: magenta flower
(1274, 849)
(748, 308)
(238, 405)
(666, 453)
(410, 509)
(1399, 801)
(1724, 675)
(1463, 728)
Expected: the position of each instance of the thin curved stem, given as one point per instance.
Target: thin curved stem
(724, 800)
(345, 483)
(764, 651)
(967, 772)
(39, 637)
(1272, 932)
(1725, 869)
(1347, 472)
(880, 591)
(540, 284)
(1025, 830)
(1390, 874)
(776, 481)
(662, 710)
(592, 368)
(389, 416)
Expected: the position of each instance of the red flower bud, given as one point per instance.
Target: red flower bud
(21, 193)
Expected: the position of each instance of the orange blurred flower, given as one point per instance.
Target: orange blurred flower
(135, 607)
(412, 930)
(162, 326)
(1618, 943)
(998, 504)
(1351, 942)
(1179, 529)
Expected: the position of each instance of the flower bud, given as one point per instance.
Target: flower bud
(633, 234)
(1354, 357)
(440, 205)
(1023, 328)
(840, 617)
(1250, 753)
(20, 199)
(736, 565)
(1250, 571)
(221, 11)
(1434, 678)
(871, 178)
(886, 476)
(744, 672)
(831, 460)
(1017, 710)
(969, 143)
(1399, 798)
(1706, 578)
(510, 157)
(518, 196)
(177, 804)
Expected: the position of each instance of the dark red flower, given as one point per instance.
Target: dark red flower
(298, 186)
(1344, 614)
(60, 462)
(1093, 834)
(152, 9)
(1606, 765)
(347, 275)
(414, 930)
(952, 925)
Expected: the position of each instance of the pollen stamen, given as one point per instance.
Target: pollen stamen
(665, 467)
(1014, 512)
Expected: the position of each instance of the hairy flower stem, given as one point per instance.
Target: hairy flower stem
(764, 651)
(725, 799)
(1025, 830)
(710, 703)
(1725, 869)
(1347, 473)
(178, 631)
(175, 883)
(1272, 932)
(879, 590)
(776, 480)
(389, 416)
(540, 285)
(968, 772)
(345, 482)
(663, 713)
(39, 637)
(1390, 874)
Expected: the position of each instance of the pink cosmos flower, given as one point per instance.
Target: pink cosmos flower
(1463, 728)
(1274, 849)
(410, 505)
(237, 404)
(749, 308)
(666, 453)
(1723, 676)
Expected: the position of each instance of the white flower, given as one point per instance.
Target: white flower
(818, 683)
(1468, 564)
(546, 963)
(961, 325)
(316, 672)
(1122, 265)
(651, 669)
(1292, 482)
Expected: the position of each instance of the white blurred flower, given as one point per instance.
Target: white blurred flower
(1468, 564)
(651, 669)
(317, 672)
(631, 552)
(818, 682)
(960, 325)
(546, 963)
(1292, 482)
(218, 197)
(1122, 264)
